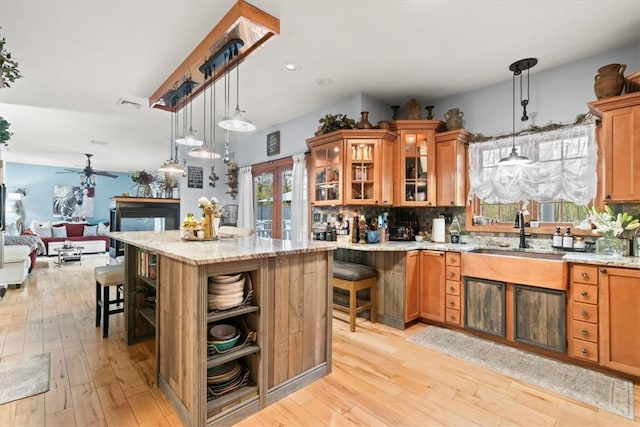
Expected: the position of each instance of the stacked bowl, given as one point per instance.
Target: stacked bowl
(225, 378)
(226, 291)
(222, 337)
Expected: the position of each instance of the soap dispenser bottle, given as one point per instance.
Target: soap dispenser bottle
(454, 230)
(567, 239)
(557, 239)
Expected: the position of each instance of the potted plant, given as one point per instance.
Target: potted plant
(9, 72)
(5, 135)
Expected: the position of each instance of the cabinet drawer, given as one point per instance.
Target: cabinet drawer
(452, 273)
(585, 312)
(452, 258)
(584, 274)
(452, 288)
(584, 293)
(453, 316)
(452, 301)
(584, 331)
(585, 350)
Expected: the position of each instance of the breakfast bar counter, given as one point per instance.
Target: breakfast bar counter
(282, 324)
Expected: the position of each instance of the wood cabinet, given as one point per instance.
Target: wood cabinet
(583, 312)
(432, 282)
(412, 291)
(415, 162)
(141, 270)
(451, 167)
(619, 319)
(453, 289)
(619, 145)
(352, 167)
(540, 317)
(484, 308)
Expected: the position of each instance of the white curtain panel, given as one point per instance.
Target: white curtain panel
(563, 167)
(299, 200)
(245, 198)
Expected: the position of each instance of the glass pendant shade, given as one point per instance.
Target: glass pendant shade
(171, 166)
(237, 122)
(190, 139)
(203, 152)
(514, 159)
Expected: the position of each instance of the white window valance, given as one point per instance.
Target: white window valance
(563, 167)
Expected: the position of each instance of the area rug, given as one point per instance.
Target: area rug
(594, 388)
(24, 378)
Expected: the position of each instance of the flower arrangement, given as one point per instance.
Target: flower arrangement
(143, 177)
(210, 205)
(608, 223)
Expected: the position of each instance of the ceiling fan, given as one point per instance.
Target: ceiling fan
(88, 173)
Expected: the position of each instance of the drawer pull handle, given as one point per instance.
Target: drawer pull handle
(452, 303)
(452, 317)
(451, 288)
(584, 351)
(585, 314)
(603, 270)
(585, 275)
(585, 332)
(584, 294)
(451, 274)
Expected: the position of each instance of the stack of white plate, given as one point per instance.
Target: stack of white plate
(226, 291)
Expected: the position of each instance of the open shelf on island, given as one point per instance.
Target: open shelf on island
(149, 315)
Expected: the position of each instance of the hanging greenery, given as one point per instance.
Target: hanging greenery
(9, 72)
(5, 135)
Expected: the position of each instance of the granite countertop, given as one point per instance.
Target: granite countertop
(575, 257)
(168, 243)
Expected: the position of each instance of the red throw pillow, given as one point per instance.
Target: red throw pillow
(74, 230)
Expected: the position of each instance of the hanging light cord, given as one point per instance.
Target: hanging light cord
(237, 82)
(524, 102)
(513, 111)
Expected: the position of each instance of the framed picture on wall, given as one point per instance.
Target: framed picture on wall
(72, 202)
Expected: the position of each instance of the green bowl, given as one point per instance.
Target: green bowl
(225, 344)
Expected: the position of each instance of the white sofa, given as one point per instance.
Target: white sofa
(16, 265)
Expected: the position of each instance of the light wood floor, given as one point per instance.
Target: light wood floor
(378, 378)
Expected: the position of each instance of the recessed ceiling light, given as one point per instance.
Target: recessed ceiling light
(93, 141)
(324, 81)
(290, 66)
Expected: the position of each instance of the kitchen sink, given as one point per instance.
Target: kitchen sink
(520, 253)
(539, 269)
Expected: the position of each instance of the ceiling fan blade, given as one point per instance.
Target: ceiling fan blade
(103, 173)
(70, 171)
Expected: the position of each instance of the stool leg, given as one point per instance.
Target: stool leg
(98, 303)
(352, 309)
(373, 311)
(105, 312)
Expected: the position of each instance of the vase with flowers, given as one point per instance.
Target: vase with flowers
(211, 213)
(611, 226)
(143, 180)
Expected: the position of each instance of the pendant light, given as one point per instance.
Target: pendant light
(190, 138)
(172, 165)
(517, 68)
(204, 152)
(237, 122)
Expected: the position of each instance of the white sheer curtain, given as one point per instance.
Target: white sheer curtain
(299, 199)
(245, 198)
(563, 167)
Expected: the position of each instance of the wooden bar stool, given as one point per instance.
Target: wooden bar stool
(107, 276)
(353, 278)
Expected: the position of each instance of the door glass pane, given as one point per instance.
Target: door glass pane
(287, 185)
(263, 189)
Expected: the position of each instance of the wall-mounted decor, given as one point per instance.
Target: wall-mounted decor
(273, 143)
(71, 202)
(195, 175)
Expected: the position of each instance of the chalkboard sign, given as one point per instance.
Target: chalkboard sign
(273, 143)
(194, 176)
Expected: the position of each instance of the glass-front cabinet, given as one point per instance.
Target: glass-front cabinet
(416, 165)
(352, 167)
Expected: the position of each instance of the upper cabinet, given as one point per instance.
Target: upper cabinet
(451, 167)
(416, 162)
(352, 167)
(619, 142)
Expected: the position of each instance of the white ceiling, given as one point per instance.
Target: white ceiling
(79, 57)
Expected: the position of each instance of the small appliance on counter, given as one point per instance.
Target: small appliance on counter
(437, 232)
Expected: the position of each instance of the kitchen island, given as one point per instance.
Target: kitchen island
(284, 320)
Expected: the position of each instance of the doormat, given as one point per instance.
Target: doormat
(594, 388)
(24, 378)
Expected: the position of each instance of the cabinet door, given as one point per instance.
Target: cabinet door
(451, 168)
(363, 171)
(621, 140)
(411, 300)
(540, 317)
(416, 168)
(432, 285)
(484, 306)
(326, 174)
(620, 319)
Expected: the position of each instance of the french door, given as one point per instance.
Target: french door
(272, 182)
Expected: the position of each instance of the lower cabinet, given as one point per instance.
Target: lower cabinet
(432, 279)
(540, 317)
(484, 308)
(412, 291)
(620, 319)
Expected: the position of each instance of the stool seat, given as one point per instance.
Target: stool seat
(352, 278)
(107, 276)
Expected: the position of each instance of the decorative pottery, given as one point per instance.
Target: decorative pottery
(609, 81)
(453, 118)
(429, 109)
(609, 245)
(413, 110)
(383, 124)
(364, 121)
(144, 190)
